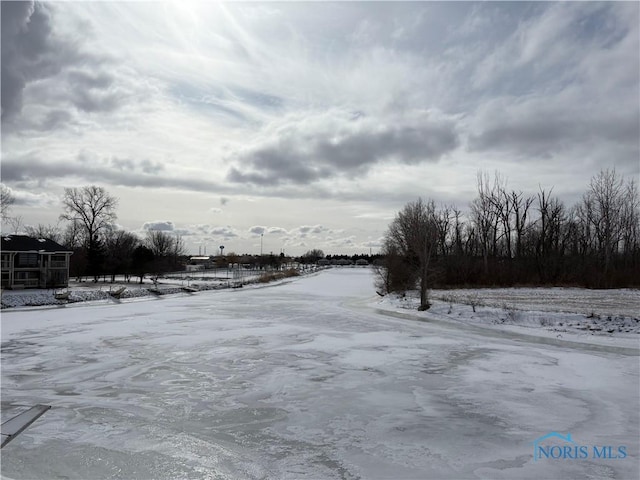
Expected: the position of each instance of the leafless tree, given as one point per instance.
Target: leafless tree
(93, 209)
(515, 238)
(413, 234)
(395, 274)
(631, 219)
(443, 218)
(603, 208)
(160, 243)
(16, 224)
(120, 246)
(6, 200)
(179, 247)
(485, 219)
(520, 207)
(166, 248)
(71, 236)
(551, 218)
(312, 256)
(52, 232)
(458, 229)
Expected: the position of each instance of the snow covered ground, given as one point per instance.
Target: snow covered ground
(313, 378)
(170, 284)
(605, 317)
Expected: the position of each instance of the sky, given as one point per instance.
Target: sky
(309, 125)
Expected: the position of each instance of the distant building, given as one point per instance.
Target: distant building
(199, 263)
(29, 262)
(343, 262)
(362, 262)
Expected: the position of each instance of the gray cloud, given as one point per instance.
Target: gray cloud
(89, 168)
(49, 71)
(257, 230)
(222, 232)
(37, 200)
(144, 166)
(564, 83)
(544, 128)
(339, 143)
(260, 230)
(315, 229)
(25, 28)
(164, 226)
(30, 171)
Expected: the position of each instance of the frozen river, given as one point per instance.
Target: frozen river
(303, 380)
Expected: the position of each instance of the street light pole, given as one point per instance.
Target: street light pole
(261, 235)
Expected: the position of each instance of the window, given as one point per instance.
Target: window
(27, 260)
(58, 261)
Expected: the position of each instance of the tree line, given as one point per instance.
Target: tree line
(509, 238)
(99, 248)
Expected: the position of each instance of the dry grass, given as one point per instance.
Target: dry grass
(271, 276)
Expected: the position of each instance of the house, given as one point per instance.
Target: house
(29, 262)
(344, 262)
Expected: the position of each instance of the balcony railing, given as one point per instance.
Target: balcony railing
(26, 282)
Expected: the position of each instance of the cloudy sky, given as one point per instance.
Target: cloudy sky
(310, 123)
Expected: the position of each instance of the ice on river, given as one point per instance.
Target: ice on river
(303, 380)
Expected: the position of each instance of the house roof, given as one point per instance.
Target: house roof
(24, 243)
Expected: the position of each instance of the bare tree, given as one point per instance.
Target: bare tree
(603, 207)
(458, 244)
(71, 236)
(160, 243)
(94, 209)
(179, 249)
(6, 200)
(485, 219)
(631, 219)
(443, 219)
(52, 232)
(166, 249)
(413, 235)
(120, 246)
(312, 256)
(395, 274)
(516, 238)
(521, 207)
(16, 224)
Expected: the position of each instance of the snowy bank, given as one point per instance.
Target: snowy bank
(168, 285)
(609, 317)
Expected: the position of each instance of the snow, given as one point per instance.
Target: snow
(171, 284)
(602, 317)
(313, 378)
